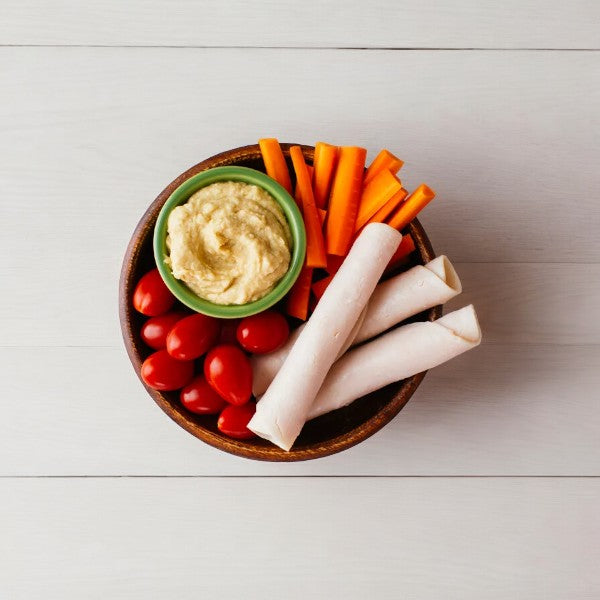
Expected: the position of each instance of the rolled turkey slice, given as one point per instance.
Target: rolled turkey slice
(399, 354)
(394, 300)
(282, 411)
(408, 294)
(266, 366)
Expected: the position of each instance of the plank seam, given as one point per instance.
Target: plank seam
(299, 477)
(359, 48)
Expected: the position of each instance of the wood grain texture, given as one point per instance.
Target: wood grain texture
(377, 538)
(508, 140)
(498, 410)
(533, 303)
(314, 23)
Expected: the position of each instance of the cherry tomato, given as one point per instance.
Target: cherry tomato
(228, 371)
(228, 331)
(155, 329)
(233, 421)
(151, 296)
(192, 337)
(162, 372)
(198, 397)
(263, 332)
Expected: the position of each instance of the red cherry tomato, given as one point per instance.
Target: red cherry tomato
(263, 332)
(233, 421)
(162, 372)
(151, 296)
(228, 331)
(192, 337)
(155, 330)
(198, 397)
(228, 371)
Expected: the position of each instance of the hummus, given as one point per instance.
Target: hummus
(230, 243)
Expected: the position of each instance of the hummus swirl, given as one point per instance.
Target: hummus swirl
(230, 243)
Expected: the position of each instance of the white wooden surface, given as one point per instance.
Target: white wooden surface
(486, 485)
(312, 23)
(353, 538)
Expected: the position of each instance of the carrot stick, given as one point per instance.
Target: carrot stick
(385, 160)
(297, 193)
(324, 162)
(386, 210)
(407, 211)
(298, 197)
(275, 164)
(299, 296)
(315, 244)
(333, 263)
(407, 245)
(344, 199)
(316, 153)
(375, 195)
(320, 286)
(322, 216)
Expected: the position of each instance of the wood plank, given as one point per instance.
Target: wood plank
(81, 161)
(340, 538)
(315, 23)
(532, 303)
(498, 410)
(513, 171)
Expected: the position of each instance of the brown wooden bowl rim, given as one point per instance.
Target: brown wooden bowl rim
(241, 447)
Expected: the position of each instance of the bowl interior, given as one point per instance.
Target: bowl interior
(320, 437)
(292, 215)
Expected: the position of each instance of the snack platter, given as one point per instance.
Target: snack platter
(337, 429)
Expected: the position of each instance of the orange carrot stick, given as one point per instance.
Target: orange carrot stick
(375, 195)
(316, 153)
(322, 216)
(320, 286)
(344, 199)
(315, 244)
(407, 211)
(275, 164)
(298, 197)
(407, 245)
(299, 296)
(324, 162)
(386, 210)
(385, 160)
(297, 193)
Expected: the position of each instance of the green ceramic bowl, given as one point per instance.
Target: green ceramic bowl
(291, 212)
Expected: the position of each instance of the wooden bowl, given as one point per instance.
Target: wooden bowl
(323, 436)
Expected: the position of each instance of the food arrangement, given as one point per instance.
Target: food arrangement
(337, 335)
